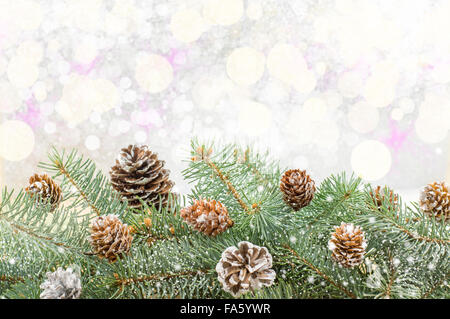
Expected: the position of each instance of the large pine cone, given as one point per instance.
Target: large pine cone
(208, 217)
(435, 201)
(348, 245)
(378, 197)
(298, 188)
(61, 284)
(46, 189)
(110, 238)
(244, 269)
(139, 173)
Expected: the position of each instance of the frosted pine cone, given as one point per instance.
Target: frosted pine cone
(435, 201)
(46, 189)
(110, 238)
(348, 245)
(139, 174)
(61, 284)
(298, 188)
(208, 217)
(378, 197)
(244, 269)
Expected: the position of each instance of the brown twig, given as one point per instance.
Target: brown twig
(11, 279)
(391, 278)
(227, 182)
(331, 281)
(31, 233)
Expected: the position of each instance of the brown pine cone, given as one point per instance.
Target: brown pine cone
(110, 238)
(46, 189)
(378, 197)
(244, 269)
(139, 173)
(298, 188)
(435, 201)
(348, 245)
(209, 217)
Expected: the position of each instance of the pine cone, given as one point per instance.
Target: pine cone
(46, 189)
(139, 173)
(348, 245)
(378, 197)
(246, 268)
(208, 217)
(435, 201)
(298, 188)
(61, 284)
(110, 238)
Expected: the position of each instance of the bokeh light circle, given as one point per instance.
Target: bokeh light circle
(16, 140)
(153, 72)
(371, 160)
(245, 66)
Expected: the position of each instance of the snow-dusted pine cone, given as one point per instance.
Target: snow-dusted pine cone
(435, 201)
(209, 217)
(378, 197)
(46, 189)
(348, 245)
(61, 284)
(110, 238)
(244, 269)
(139, 173)
(298, 188)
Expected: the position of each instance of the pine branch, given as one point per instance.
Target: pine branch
(62, 169)
(129, 281)
(320, 273)
(228, 184)
(394, 222)
(433, 288)
(11, 280)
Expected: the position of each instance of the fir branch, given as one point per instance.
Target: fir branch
(128, 281)
(394, 222)
(320, 273)
(11, 280)
(438, 284)
(62, 169)
(31, 233)
(391, 277)
(227, 182)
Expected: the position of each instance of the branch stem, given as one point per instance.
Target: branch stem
(319, 272)
(64, 171)
(227, 182)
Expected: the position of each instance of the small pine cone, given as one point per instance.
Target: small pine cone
(46, 189)
(110, 238)
(435, 201)
(348, 245)
(298, 188)
(244, 269)
(378, 198)
(61, 284)
(139, 174)
(208, 217)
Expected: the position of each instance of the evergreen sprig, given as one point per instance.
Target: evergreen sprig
(406, 257)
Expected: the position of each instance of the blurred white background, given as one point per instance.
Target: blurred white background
(327, 86)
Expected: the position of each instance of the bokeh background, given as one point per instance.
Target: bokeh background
(327, 86)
